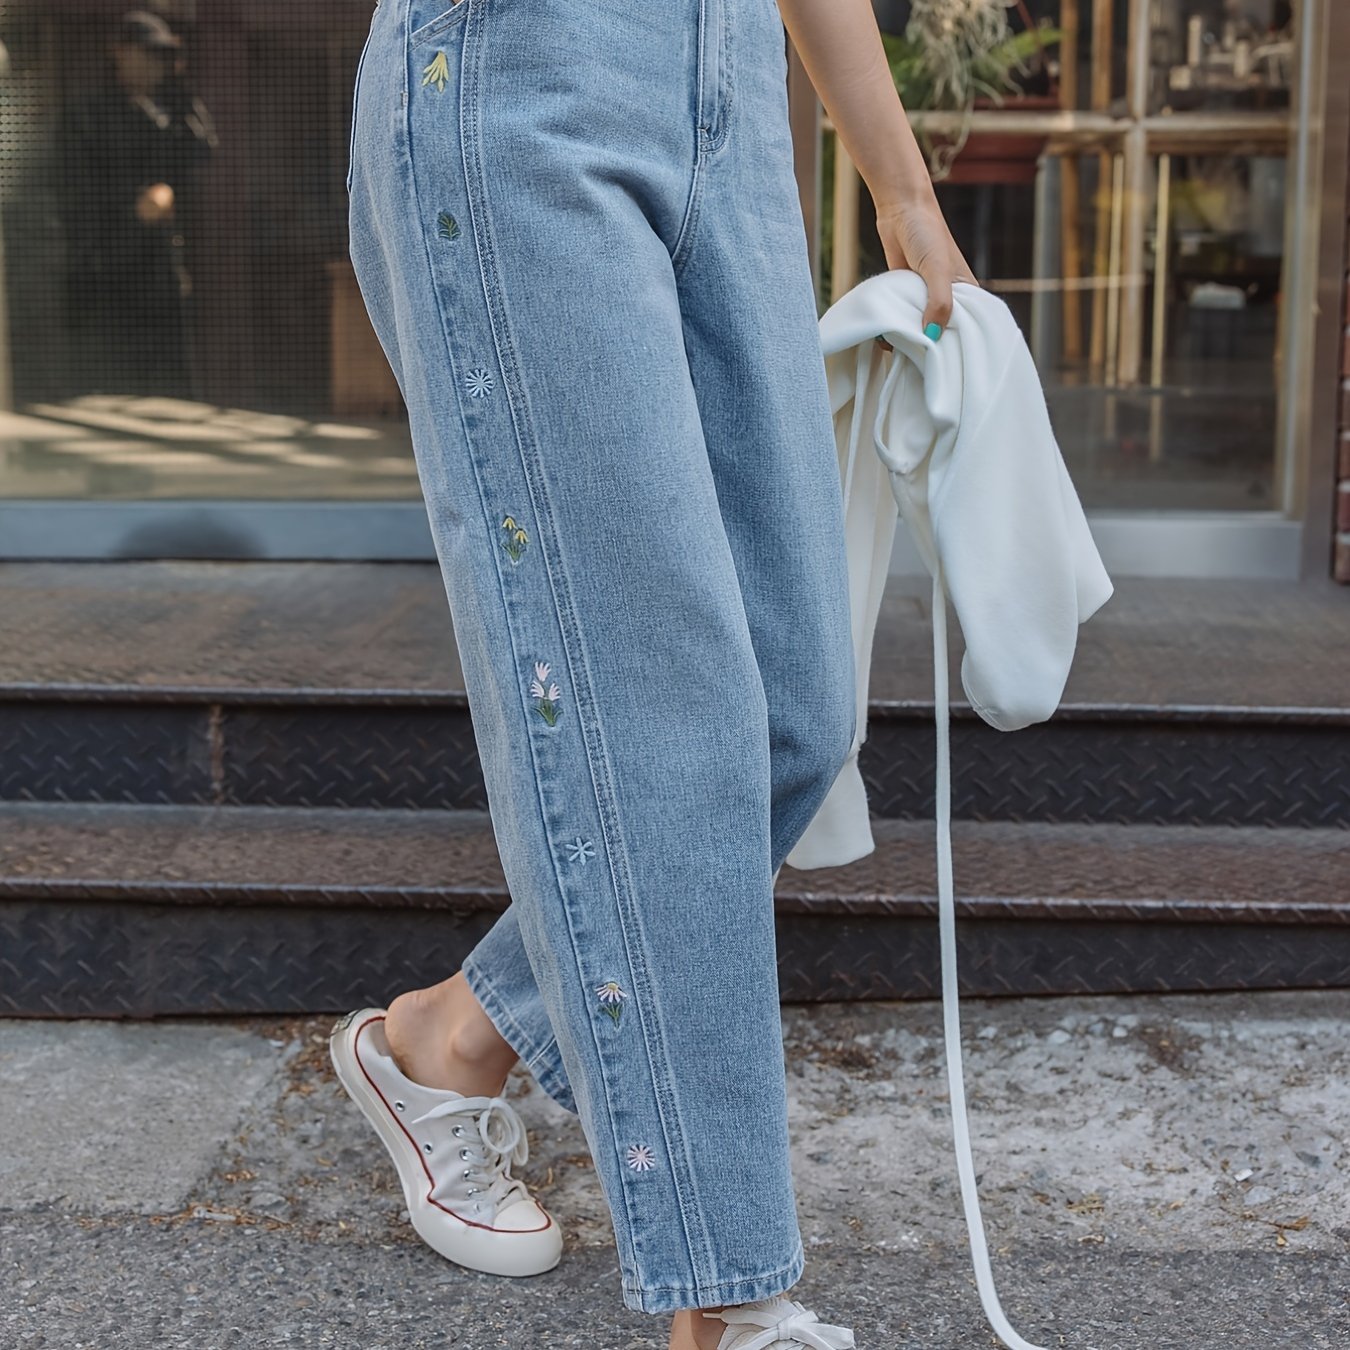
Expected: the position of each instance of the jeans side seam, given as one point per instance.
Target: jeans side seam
(548, 539)
(478, 229)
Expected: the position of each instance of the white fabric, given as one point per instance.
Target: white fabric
(962, 449)
(778, 1323)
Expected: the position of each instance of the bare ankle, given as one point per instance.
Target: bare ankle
(441, 1037)
(691, 1330)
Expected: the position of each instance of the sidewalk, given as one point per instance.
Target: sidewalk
(1162, 1172)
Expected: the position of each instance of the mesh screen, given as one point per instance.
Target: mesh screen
(181, 314)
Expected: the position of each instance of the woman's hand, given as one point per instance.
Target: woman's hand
(840, 47)
(914, 235)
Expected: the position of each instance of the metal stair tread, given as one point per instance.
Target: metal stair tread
(448, 860)
(378, 634)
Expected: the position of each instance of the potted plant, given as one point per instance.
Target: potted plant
(959, 55)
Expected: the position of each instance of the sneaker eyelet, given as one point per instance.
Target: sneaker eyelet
(468, 1172)
(399, 1106)
(473, 1190)
(426, 1148)
(464, 1153)
(457, 1131)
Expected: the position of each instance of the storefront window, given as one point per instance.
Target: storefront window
(1121, 177)
(182, 319)
(179, 318)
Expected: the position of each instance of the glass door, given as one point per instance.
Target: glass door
(1137, 179)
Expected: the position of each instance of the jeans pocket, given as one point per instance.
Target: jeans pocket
(356, 98)
(433, 29)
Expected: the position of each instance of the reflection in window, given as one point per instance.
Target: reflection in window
(183, 319)
(1143, 254)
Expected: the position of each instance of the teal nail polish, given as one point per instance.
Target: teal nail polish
(932, 331)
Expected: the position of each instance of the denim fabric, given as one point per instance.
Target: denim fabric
(576, 229)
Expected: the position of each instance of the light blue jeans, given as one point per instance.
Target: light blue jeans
(576, 228)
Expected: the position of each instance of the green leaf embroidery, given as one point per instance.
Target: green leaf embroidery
(447, 226)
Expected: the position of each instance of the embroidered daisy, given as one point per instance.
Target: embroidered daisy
(640, 1158)
(479, 380)
(546, 704)
(611, 998)
(580, 850)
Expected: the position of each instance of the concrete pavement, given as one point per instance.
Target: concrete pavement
(1169, 1172)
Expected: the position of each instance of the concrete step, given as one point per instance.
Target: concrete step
(140, 910)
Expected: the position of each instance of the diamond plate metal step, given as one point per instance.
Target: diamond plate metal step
(1260, 767)
(139, 910)
(338, 685)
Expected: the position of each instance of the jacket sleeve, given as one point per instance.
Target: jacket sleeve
(1018, 559)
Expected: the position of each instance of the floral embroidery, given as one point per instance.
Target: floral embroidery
(611, 999)
(447, 226)
(547, 698)
(581, 850)
(640, 1158)
(436, 72)
(479, 380)
(516, 538)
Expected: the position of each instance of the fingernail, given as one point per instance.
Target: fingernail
(932, 331)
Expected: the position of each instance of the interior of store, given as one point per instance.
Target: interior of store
(1124, 183)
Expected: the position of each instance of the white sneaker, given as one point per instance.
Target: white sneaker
(453, 1154)
(778, 1324)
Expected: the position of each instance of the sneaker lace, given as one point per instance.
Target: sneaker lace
(501, 1142)
(783, 1320)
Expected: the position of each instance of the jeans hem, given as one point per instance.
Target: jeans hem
(540, 1062)
(665, 1299)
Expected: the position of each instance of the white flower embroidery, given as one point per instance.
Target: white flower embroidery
(547, 704)
(479, 380)
(611, 999)
(640, 1158)
(581, 850)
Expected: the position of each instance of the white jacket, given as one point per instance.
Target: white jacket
(954, 437)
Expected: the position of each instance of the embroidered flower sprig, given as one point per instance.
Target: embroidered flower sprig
(546, 697)
(580, 850)
(516, 538)
(447, 226)
(436, 72)
(611, 999)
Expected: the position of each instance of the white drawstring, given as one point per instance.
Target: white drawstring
(951, 1018)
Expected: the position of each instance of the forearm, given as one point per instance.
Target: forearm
(840, 47)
